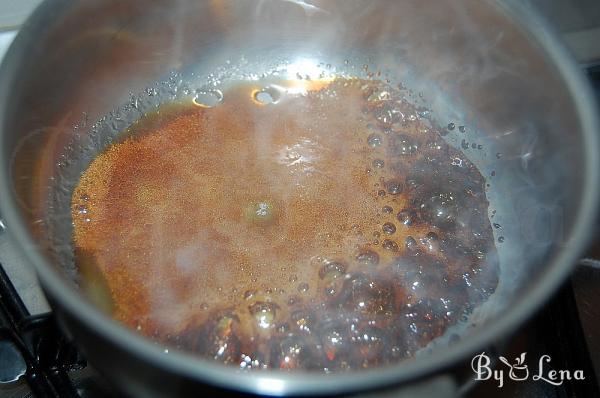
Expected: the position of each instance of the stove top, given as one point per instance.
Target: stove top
(37, 361)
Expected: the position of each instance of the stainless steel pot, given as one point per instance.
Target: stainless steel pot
(490, 65)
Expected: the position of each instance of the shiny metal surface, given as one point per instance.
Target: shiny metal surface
(504, 71)
(16, 266)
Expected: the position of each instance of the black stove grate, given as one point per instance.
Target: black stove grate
(33, 347)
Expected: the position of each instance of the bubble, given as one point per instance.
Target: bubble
(388, 228)
(387, 114)
(462, 129)
(374, 140)
(283, 328)
(332, 270)
(406, 217)
(260, 212)
(268, 95)
(497, 226)
(410, 243)
(334, 340)
(207, 98)
(303, 320)
(381, 193)
(293, 300)
(303, 287)
(368, 296)
(255, 360)
(218, 339)
(429, 317)
(370, 345)
(435, 144)
(394, 187)
(402, 145)
(378, 163)
(456, 162)
(81, 209)
(151, 91)
(390, 245)
(423, 275)
(263, 313)
(294, 352)
(451, 126)
(293, 278)
(331, 289)
(431, 242)
(248, 294)
(367, 258)
(501, 239)
(387, 210)
(442, 209)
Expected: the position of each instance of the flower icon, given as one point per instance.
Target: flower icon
(519, 370)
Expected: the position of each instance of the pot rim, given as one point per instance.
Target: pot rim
(277, 383)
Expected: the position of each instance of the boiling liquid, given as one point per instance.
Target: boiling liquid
(316, 225)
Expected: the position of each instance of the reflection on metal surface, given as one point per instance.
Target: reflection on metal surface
(12, 365)
(14, 12)
(5, 39)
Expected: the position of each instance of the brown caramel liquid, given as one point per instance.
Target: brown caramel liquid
(330, 229)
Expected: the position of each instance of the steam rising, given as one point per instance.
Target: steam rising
(335, 50)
